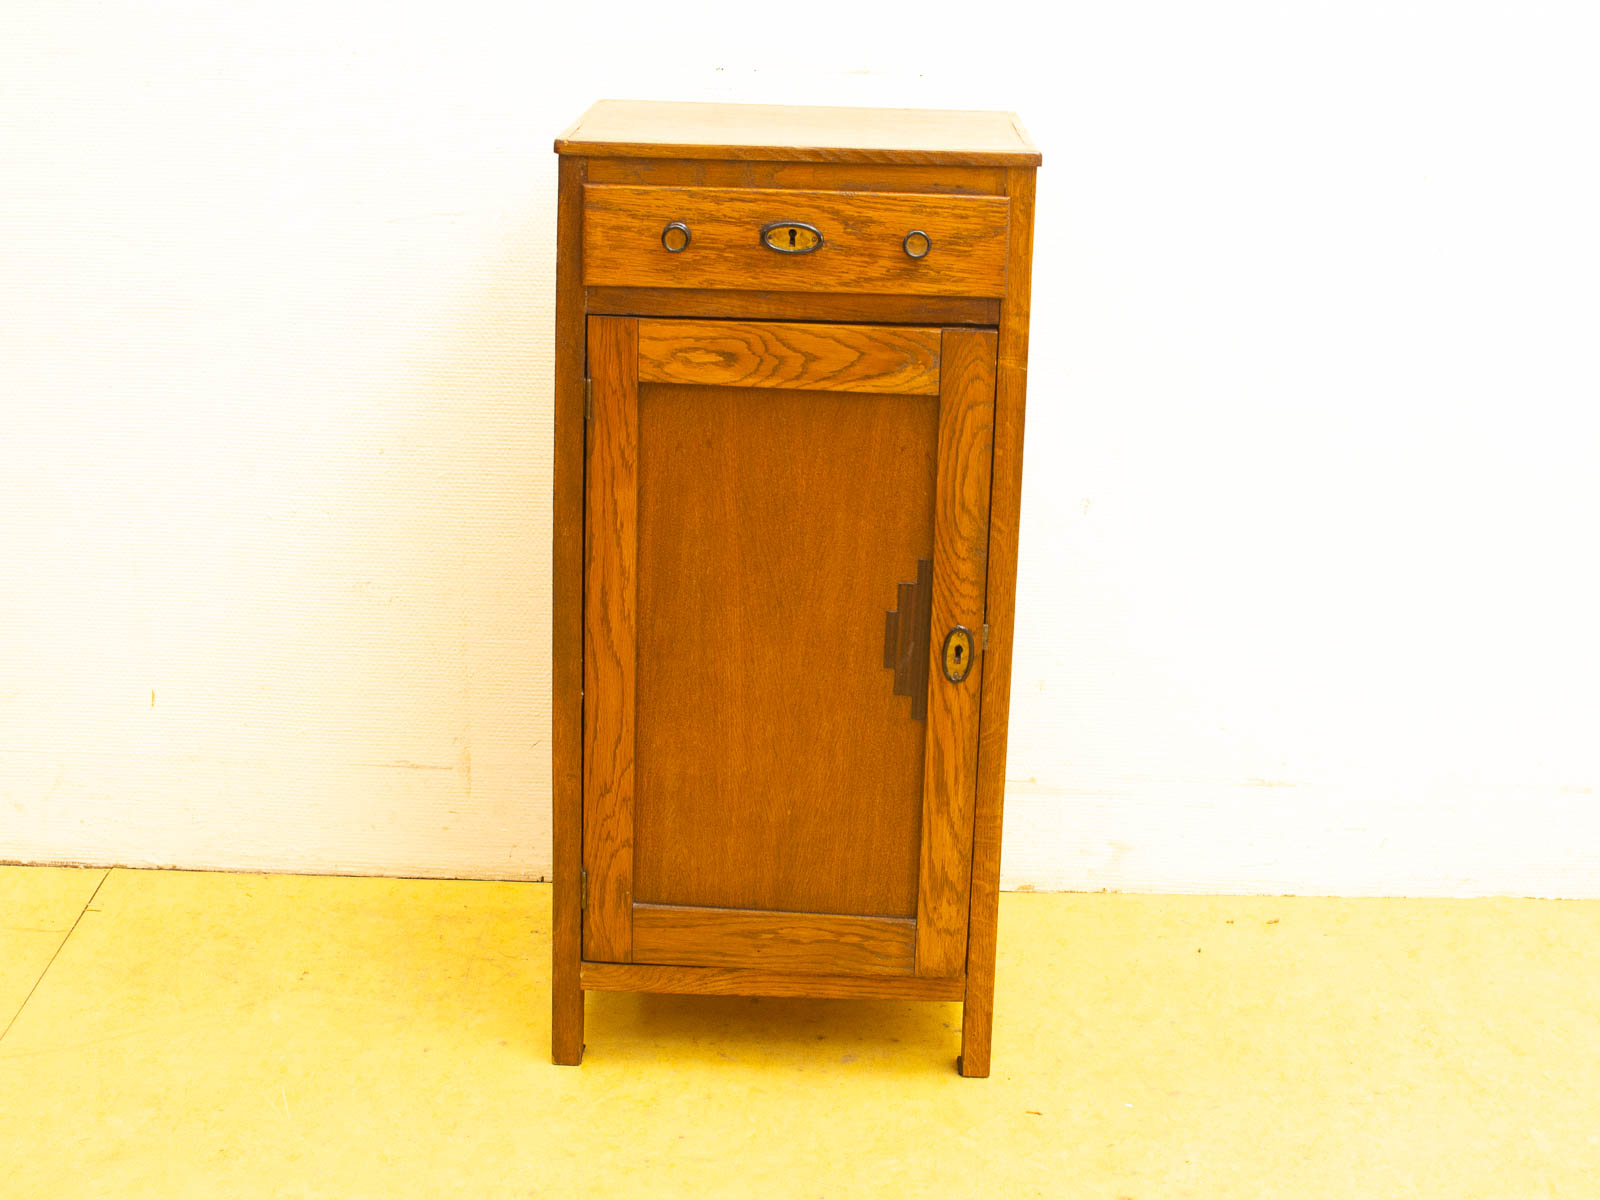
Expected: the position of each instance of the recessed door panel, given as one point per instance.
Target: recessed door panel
(778, 766)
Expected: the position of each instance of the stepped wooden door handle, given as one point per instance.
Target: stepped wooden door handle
(905, 639)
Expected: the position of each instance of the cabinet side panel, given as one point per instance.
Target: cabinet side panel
(610, 638)
(1004, 516)
(566, 632)
(960, 537)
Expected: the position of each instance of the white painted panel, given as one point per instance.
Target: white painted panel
(1309, 571)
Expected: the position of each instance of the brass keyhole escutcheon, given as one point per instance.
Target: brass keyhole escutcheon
(957, 653)
(675, 237)
(791, 237)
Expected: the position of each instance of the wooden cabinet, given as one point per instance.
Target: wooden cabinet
(790, 364)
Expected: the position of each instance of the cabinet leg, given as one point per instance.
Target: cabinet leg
(977, 1022)
(566, 1018)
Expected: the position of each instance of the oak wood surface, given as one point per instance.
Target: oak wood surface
(840, 177)
(1004, 519)
(810, 943)
(566, 624)
(776, 768)
(960, 549)
(794, 306)
(610, 638)
(862, 235)
(776, 782)
(732, 981)
(835, 358)
(664, 129)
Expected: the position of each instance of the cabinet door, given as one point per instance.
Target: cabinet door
(785, 551)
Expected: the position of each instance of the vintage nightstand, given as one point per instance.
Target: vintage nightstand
(791, 353)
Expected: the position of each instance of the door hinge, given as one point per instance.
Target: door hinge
(588, 399)
(583, 891)
(985, 635)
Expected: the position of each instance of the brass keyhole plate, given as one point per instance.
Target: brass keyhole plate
(957, 653)
(791, 237)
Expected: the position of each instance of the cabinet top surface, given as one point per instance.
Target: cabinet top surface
(783, 133)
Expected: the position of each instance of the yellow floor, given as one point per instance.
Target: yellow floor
(175, 1034)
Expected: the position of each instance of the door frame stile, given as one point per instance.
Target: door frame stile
(960, 554)
(610, 637)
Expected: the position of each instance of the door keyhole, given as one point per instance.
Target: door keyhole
(956, 655)
(793, 233)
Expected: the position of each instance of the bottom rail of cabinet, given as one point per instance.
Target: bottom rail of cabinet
(734, 981)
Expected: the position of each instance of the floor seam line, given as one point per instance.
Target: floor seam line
(57, 953)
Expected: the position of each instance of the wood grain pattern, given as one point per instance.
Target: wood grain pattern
(824, 358)
(1004, 519)
(835, 177)
(862, 234)
(776, 768)
(729, 981)
(566, 626)
(794, 306)
(960, 558)
(610, 639)
(811, 943)
(657, 129)
(737, 747)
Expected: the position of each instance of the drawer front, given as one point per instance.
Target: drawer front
(862, 246)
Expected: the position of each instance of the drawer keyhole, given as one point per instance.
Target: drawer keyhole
(791, 237)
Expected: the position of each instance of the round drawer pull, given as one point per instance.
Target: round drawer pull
(675, 237)
(917, 244)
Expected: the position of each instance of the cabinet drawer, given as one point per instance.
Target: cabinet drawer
(861, 249)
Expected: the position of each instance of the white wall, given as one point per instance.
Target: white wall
(1309, 589)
